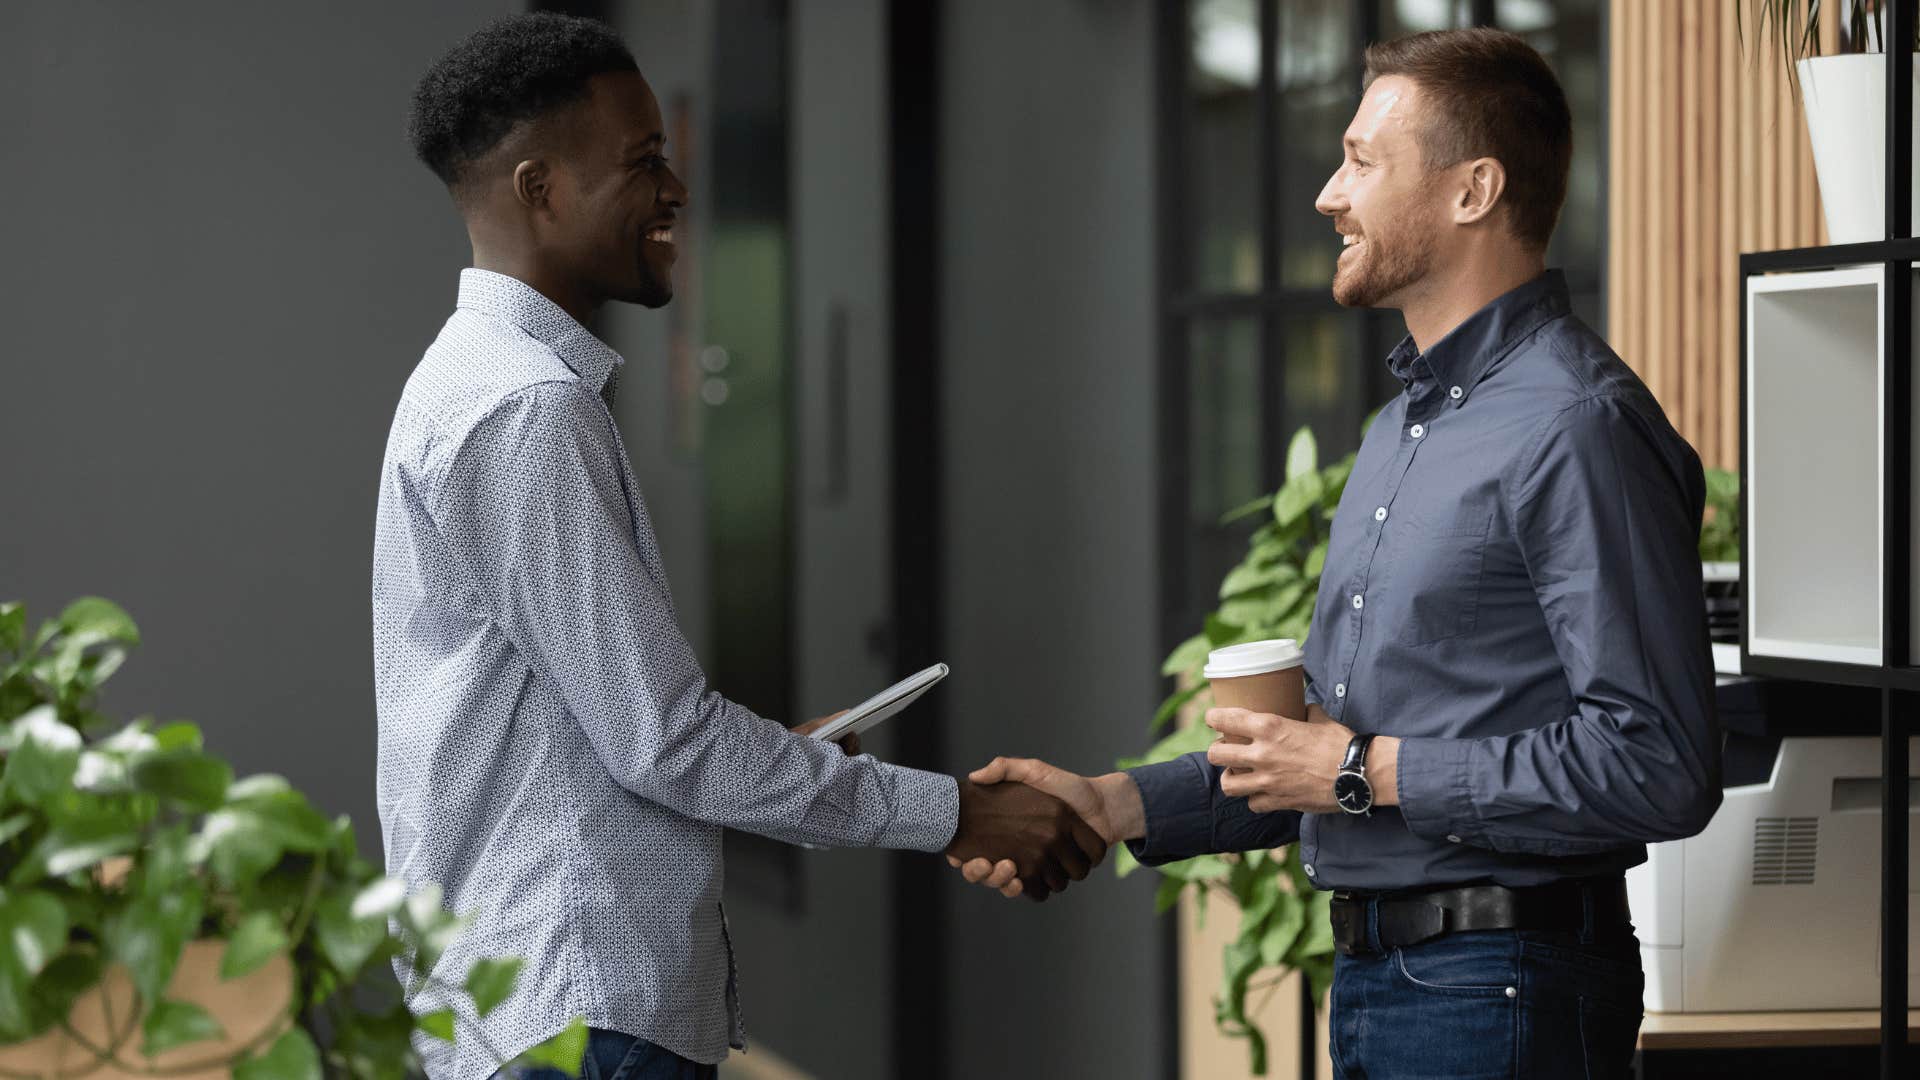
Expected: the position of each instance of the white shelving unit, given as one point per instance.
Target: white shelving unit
(1815, 360)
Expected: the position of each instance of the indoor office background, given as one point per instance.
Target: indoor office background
(987, 311)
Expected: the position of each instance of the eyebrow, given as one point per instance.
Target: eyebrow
(655, 139)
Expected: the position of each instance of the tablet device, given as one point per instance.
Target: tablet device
(883, 705)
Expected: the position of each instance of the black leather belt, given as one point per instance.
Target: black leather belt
(1409, 918)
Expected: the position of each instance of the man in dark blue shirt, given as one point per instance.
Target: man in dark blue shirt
(1509, 659)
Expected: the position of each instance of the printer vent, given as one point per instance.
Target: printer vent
(1783, 850)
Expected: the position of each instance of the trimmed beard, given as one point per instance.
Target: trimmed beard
(1387, 265)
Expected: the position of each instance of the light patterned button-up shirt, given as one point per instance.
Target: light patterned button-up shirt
(550, 752)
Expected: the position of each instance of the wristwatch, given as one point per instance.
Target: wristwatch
(1350, 787)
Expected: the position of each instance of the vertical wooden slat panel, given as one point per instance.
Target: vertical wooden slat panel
(1709, 158)
(1767, 199)
(1726, 295)
(1748, 179)
(1658, 254)
(1623, 205)
(1779, 137)
(1673, 293)
(1685, 405)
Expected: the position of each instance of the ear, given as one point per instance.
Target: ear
(1481, 183)
(532, 183)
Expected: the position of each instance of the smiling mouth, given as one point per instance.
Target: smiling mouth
(662, 235)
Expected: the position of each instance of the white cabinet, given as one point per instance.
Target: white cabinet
(1815, 368)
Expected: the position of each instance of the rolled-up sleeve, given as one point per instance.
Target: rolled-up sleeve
(1188, 815)
(1608, 529)
(533, 503)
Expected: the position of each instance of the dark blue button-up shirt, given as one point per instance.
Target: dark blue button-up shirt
(1513, 590)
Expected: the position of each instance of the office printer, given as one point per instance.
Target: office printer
(1776, 905)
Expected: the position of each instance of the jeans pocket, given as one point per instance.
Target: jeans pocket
(1463, 965)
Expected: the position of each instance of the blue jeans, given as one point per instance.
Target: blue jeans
(613, 1056)
(1489, 1003)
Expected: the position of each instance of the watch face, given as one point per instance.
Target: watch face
(1353, 793)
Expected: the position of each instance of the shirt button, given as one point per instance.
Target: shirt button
(1456, 393)
(1452, 839)
(1379, 513)
(1309, 869)
(1340, 690)
(1418, 430)
(1357, 602)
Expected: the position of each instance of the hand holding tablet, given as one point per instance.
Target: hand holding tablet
(881, 706)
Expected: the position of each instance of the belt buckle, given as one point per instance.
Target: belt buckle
(1347, 915)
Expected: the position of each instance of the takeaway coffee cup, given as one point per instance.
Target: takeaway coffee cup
(1261, 676)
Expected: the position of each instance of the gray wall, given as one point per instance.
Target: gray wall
(221, 263)
(1048, 365)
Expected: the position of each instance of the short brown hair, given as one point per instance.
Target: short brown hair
(1492, 96)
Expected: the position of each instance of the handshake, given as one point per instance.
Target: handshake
(1028, 828)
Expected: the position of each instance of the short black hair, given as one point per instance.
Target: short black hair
(513, 69)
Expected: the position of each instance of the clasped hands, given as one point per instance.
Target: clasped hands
(1040, 840)
(1275, 762)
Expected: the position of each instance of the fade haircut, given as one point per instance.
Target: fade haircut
(515, 69)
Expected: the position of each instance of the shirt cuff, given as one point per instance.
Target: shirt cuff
(1178, 798)
(1435, 789)
(926, 811)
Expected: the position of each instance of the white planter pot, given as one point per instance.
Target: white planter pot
(1846, 102)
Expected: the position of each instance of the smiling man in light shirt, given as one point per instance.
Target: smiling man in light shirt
(1510, 690)
(550, 752)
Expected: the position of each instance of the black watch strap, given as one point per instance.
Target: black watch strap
(1356, 759)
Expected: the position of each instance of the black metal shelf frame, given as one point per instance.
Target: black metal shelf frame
(1897, 678)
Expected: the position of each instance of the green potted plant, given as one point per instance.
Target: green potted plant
(138, 876)
(1845, 100)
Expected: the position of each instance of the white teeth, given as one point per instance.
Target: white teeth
(664, 236)
(1348, 240)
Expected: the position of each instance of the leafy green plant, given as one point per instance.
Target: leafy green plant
(1270, 594)
(1795, 26)
(119, 847)
(1720, 531)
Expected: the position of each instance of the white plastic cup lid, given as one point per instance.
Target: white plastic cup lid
(1253, 658)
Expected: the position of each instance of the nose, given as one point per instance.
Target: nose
(672, 192)
(1332, 200)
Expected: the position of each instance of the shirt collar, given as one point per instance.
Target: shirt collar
(1472, 349)
(524, 306)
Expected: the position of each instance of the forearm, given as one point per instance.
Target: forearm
(1383, 770)
(1587, 783)
(1184, 813)
(730, 767)
(1125, 812)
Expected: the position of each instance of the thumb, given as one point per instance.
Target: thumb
(993, 772)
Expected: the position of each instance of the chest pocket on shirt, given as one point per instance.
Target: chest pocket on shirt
(1440, 573)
